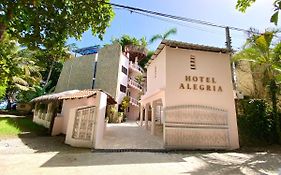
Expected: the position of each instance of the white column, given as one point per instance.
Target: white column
(141, 115)
(152, 120)
(146, 116)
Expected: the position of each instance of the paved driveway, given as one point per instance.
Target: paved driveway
(48, 155)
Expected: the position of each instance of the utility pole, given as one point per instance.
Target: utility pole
(228, 46)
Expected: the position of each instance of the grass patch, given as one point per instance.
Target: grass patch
(17, 126)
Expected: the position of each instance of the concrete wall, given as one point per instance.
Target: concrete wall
(122, 78)
(156, 73)
(43, 117)
(245, 82)
(215, 90)
(99, 102)
(67, 106)
(108, 68)
(77, 73)
(100, 117)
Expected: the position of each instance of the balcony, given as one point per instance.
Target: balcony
(134, 101)
(134, 84)
(136, 67)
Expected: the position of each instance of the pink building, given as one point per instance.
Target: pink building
(190, 93)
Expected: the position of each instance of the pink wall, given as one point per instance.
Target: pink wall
(68, 105)
(208, 64)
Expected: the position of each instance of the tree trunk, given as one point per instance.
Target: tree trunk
(2, 30)
(9, 104)
(50, 72)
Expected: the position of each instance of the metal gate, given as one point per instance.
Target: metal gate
(84, 122)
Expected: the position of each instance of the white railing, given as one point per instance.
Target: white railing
(134, 84)
(136, 67)
(134, 101)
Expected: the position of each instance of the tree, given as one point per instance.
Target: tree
(125, 40)
(166, 35)
(52, 59)
(242, 5)
(18, 69)
(143, 62)
(41, 23)
(267, 61)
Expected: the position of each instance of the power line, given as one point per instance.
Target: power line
(190, 20)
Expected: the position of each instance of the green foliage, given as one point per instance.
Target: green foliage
(125, 40)
(143, 62)
(125, 103)
(242, 5)
(165, 35)
(255, 122)
(2, 91)
(18, 69)
(38, 90)
(112, 114)
(265, 61)
(40, 23)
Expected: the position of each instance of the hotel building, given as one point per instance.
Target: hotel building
(111, 69)
(191, 86)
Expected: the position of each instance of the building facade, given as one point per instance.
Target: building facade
(111, 69)
(191, 86)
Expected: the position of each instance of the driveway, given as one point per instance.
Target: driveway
(49, 155)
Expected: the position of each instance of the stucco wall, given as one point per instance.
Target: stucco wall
(108, 68)
(77, 73)
(245, 82)
(215, 70)
(122, 78)
(70, 104)
(99, 102)
(156, 73)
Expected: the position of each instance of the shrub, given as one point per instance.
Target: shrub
(255, 122)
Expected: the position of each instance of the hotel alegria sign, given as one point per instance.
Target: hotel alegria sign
(200, 83)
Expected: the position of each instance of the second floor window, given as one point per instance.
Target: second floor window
(124, 70)
(123, 88)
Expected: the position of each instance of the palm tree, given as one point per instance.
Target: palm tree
(266, 62)
(163, 36)
(18, 70)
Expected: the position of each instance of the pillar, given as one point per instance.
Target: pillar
(146, 116)
(153, 120)
(141, 115)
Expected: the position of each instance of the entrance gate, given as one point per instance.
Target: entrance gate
(195, 127)
(81, 129)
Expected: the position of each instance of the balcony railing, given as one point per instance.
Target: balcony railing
(134, 101)
(134, 84)
(136, 67)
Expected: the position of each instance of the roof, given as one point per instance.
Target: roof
(73, 94)
(86, 94)
(184, 45)
(53, 96)
(87, 50)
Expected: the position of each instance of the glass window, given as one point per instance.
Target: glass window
(124, 70)
(123, 88)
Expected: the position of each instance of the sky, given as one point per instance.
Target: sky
(220, 12)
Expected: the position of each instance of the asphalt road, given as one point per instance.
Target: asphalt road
(48, 155)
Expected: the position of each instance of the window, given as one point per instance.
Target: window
(192, 62)
(123, 88)
(124, 70)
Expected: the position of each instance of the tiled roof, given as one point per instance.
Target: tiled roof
(73, 94)
(80, 94)
(54, 96)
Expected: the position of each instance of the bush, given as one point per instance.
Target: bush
(255, 122)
